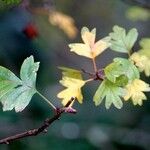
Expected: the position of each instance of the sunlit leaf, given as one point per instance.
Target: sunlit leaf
(89, 48)
(121, 66)
(135, 91)
(142, 57)
(16, 93)
(122, 42)
(142, 62)
(73, 89)
(112, 94)
(72, 73)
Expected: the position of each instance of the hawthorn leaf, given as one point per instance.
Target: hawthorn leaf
(28, 71)
(145, 47)
(122, 80)
(122, 42)
(142, 57)
(121, 66)
(142, 62)
(89, 48)
(16, 93)
(135, 89)
(112, 94)
(72, 73)
(73, 89)
(113, 70)
(8, 81)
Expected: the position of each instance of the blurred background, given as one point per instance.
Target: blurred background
(44, 28)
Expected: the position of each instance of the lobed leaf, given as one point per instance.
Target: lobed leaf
(16, 93)
(121, 66)
(89, 48)
(122, 42)
(111, 92)
(73, 89)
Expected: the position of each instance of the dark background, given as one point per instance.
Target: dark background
(92, 128)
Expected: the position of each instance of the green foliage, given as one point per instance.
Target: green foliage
(121, 66)
(7, 4)
(16, 93)
(120, 79)
(10, 2)
(138, 14)
(112, 92)
(122, 42)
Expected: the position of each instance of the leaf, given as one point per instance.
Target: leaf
(136, 13)
(73, 89)
(122, 42)
(16, 93)
(135, 91)
(111, 93)
(145, 47)
(142, 62)
(142, 57)
(28, 71)
(72, 73)
(122, 80)
(65, 22)
(121, 66)
(89, 48)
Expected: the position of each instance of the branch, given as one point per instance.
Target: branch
(43, 127)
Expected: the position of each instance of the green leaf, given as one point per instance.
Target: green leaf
(136, 13)
(122, 81)
(111, 92)
(122, 42)
(121, 66)
(72, 73)
(113, 70)
(16, 93)
(28, 71)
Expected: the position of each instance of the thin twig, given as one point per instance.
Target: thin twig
(43, 127)
(46, 100)
(94, 65)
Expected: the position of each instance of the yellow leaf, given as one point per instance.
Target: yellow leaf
(135, 91)
(87, 36)
(64, 22)
(89, 48)
(142, 62)
(73, 89)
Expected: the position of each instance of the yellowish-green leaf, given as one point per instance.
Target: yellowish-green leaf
(142, 62)
(136, 13)
(121, 66)
(145, 47)
(122, 42)
(72, 73)
(135, 91)
(73, 89)
(111, 92)
(89, 48)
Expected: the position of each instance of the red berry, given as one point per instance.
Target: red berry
(31, 31)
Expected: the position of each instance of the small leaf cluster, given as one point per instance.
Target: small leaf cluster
(120, 80)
